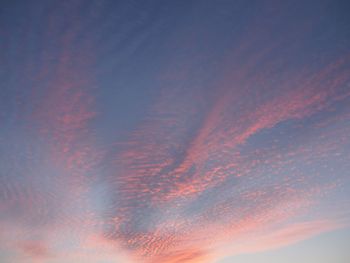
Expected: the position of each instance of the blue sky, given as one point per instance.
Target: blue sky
(174, 131)
(324, 248)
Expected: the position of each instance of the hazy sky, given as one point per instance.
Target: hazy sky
(174, 131)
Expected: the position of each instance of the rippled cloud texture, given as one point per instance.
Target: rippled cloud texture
(171, 131)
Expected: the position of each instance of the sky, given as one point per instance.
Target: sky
(174, 131)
